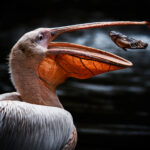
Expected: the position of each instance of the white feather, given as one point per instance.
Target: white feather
(33, 127)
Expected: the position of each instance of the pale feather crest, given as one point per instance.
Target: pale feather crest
(27, 126)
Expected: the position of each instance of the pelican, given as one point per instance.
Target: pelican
(33, 118)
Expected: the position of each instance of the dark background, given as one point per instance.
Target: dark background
(112, 110)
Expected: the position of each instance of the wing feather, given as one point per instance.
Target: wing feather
(25, 126)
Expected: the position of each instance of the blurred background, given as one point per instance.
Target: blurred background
(111, 110)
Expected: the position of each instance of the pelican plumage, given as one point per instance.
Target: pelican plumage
(32, 118)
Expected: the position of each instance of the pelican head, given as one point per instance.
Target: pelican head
(32, 46)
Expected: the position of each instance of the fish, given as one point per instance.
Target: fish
(125, 42)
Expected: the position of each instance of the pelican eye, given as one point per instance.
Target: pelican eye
(40, 37)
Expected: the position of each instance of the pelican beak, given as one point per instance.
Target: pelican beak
(72, 60)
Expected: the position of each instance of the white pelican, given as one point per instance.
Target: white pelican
(32, 118)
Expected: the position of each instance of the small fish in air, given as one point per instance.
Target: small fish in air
(125, 42)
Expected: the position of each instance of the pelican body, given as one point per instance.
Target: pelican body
(33, 118)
